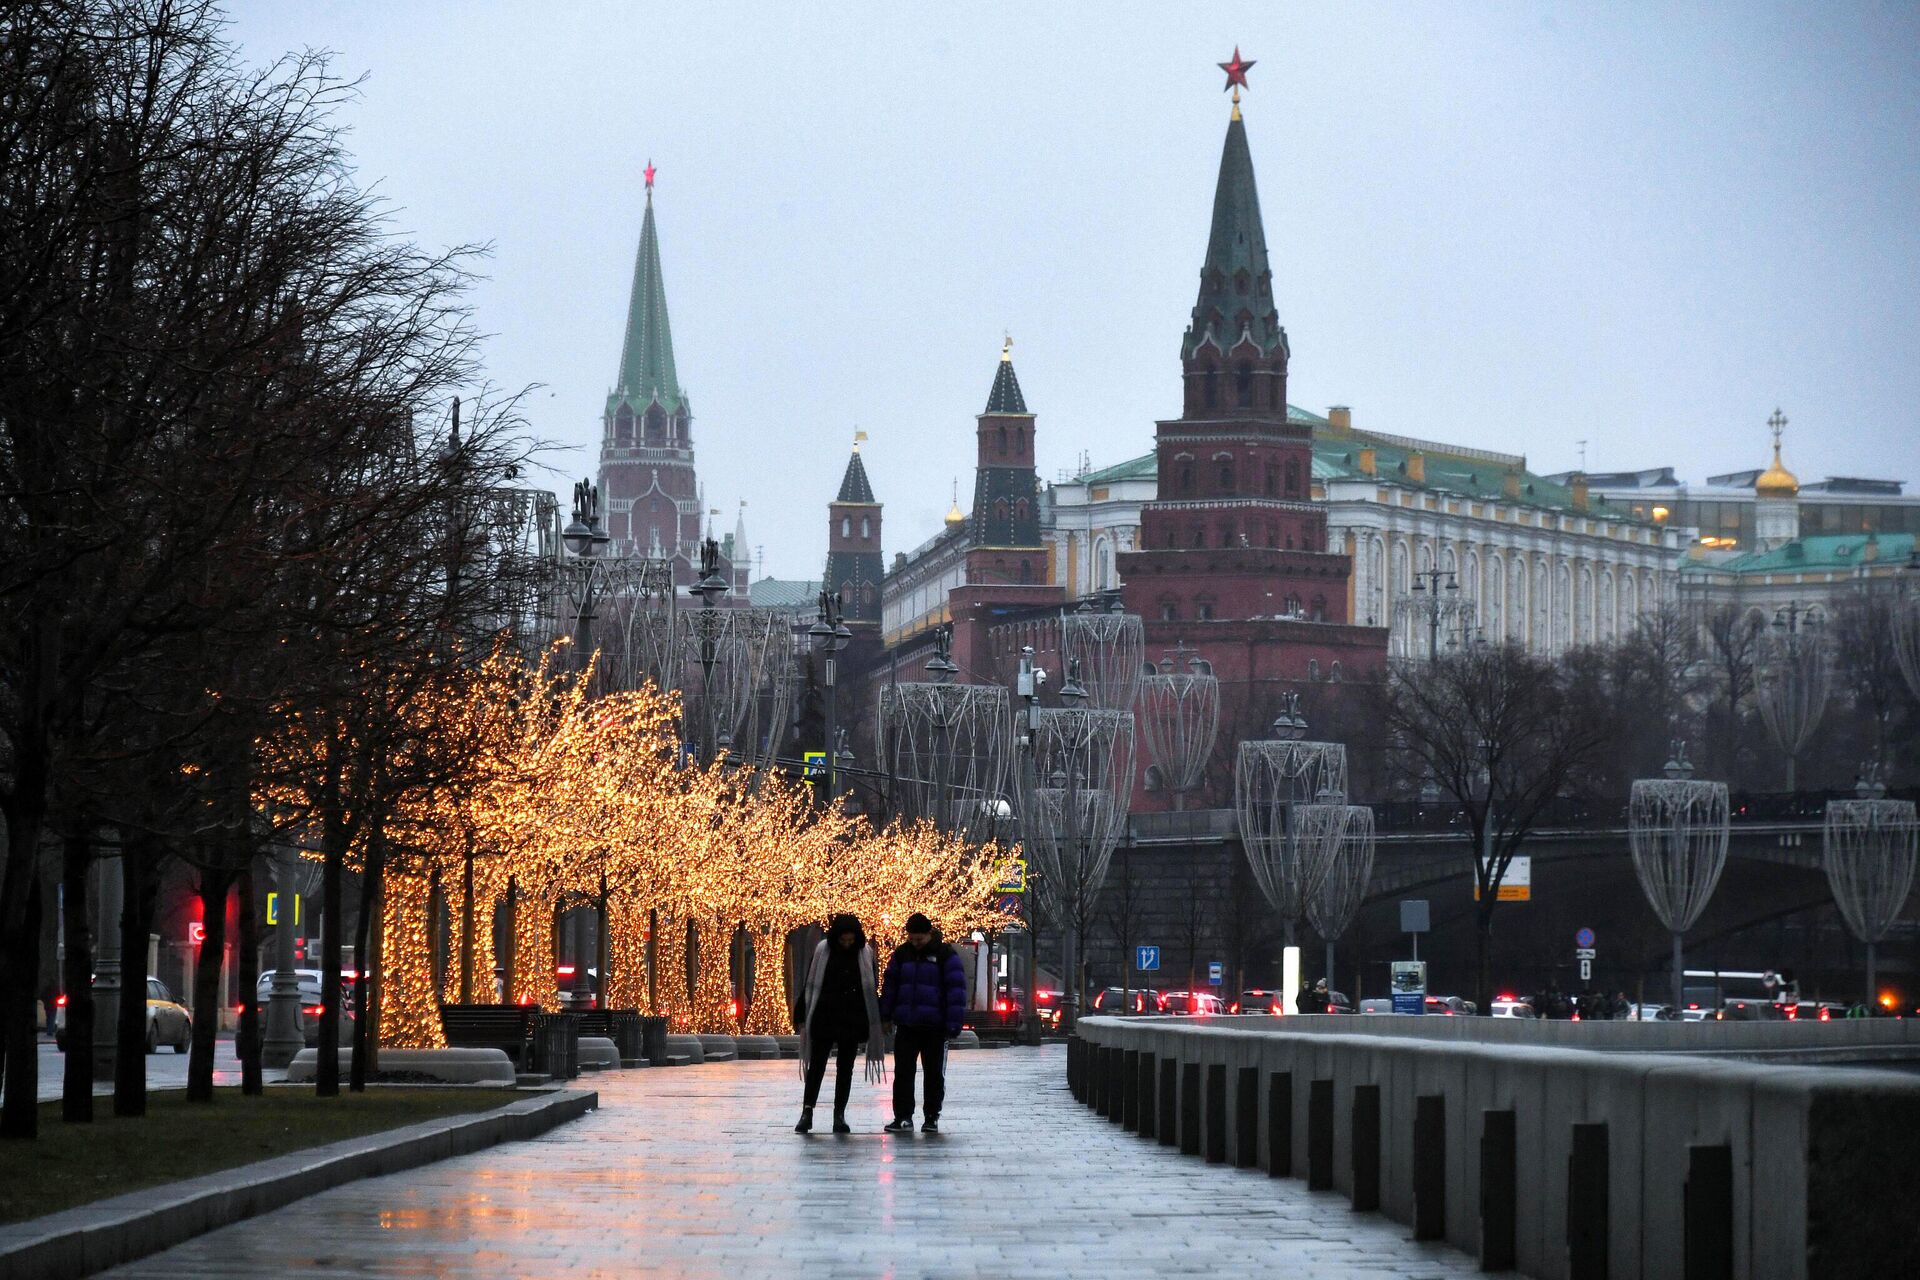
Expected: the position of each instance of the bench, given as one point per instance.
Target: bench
(507, 1027)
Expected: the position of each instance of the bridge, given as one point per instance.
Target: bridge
(1772, 909)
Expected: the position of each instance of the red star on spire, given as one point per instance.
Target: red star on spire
(1236, 70)
(649, 170)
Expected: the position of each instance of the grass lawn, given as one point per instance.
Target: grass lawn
(71, 1164)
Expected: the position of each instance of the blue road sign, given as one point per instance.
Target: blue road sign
(1583, 937)
(1215, 972)
(1146, 959)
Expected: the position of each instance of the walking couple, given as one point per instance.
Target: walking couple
(922, 1001)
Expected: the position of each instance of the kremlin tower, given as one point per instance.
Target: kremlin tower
(652, 497)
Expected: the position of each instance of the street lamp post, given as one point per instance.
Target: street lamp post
(585, 539)
(829, 635)
(283, 1039)
(1427, 582)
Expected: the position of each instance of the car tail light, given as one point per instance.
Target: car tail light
(565, 971)
(60, 1001)
(1000, 1006)
(733, 1008)
(1826, 1015)
(313, 1010)
(1276, 1010)
(1234, 1007)
(1576, 1017)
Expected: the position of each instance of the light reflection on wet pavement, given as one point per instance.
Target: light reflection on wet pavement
(694, 1171)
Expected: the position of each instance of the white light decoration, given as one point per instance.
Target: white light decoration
(1179, 713)
(1677, 829)
(1272, 779)
(1870, 852)
(1347, 869)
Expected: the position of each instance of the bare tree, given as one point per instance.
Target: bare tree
(1502, 733)
(1733, 647)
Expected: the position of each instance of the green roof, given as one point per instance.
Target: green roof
(1337, 457)
(646, 357)
(1820, 553)
(1144, 467)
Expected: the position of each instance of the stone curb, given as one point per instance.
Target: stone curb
(93, 1237)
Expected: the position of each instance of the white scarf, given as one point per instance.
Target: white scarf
(876, 1037)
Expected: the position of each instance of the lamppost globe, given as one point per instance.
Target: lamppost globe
(579, 537)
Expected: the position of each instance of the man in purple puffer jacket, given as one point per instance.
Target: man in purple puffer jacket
(924, 998)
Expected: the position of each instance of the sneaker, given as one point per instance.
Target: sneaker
(931, 1126)
(806, 1121)
(901, 1124)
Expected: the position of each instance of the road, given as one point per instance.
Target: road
(695, 1172)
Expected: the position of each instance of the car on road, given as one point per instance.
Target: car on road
(310, 1003)
(1750, 1011)
(1257, 1000)
(1451, 1006)
(1192, 1003)
(1376, 1005)
(1122, 1000)
(168, 1021)
(1507, 1007)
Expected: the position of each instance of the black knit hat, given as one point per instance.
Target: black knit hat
(917, 923)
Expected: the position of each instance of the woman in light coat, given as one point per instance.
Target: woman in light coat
(839, 1010)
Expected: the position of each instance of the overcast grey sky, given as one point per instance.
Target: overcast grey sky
(1513, 226)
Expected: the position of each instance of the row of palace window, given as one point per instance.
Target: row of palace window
(1000, 441)
(850, 593)
(1224, 477)
(1290, 608)
(866, 527)
(1020, 509)
(1229, 535)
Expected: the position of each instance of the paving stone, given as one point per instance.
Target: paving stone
(697, 1173)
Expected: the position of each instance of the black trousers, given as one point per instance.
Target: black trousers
(847, 1052)
(927, 1047)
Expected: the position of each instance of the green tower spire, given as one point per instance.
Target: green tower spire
(1236, 284)
(646, 358)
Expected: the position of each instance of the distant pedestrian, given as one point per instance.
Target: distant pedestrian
(839, 1010)
(924, 997)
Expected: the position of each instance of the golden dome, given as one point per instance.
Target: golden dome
(1776, 481)
(955, 516)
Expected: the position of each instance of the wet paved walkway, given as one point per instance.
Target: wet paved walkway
(694, 1172)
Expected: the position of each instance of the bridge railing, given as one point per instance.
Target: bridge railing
(1546, 1159)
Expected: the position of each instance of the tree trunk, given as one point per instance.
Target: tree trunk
(20, 1068)
(76, 978)
(20, 908)
(137, 856)
(326, 1068)
(248, 1039)
(1483, 953)
(366, 1005)
(215, 884)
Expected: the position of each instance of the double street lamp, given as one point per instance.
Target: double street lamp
(585, 539)
(1427, 583)
(829, 636)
